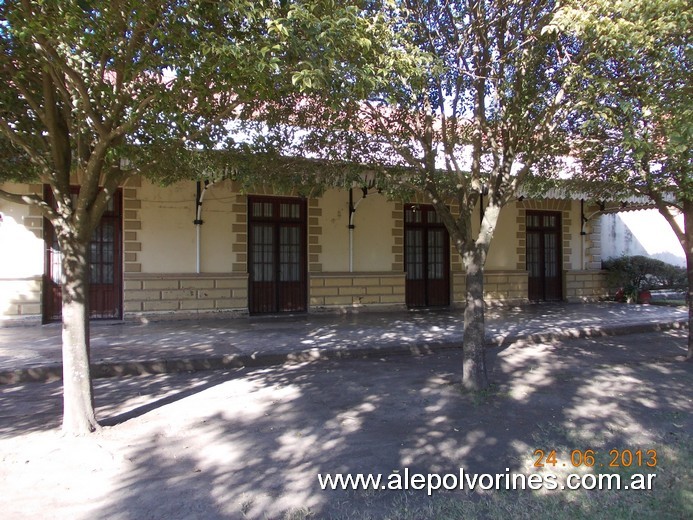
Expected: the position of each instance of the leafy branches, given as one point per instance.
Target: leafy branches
(632, 99)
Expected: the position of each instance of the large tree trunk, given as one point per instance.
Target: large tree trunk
(474, 376)
(78, 416)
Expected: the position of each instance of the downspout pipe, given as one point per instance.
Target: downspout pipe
(198, 218)
(352, 211)
(583, 221)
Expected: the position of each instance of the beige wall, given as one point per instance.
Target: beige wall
(160, 251)
(373, 238)
(21, 257)
(502, 254)
(168, 233)
(372, 234)
(334, 239)
(21, 240)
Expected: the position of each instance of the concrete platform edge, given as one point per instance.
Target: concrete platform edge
(108, 369)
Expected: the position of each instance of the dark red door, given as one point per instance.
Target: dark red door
(277, 265)
(105, 264)
(426, 258)
(544, 256)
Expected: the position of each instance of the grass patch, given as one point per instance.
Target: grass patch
(669, 303)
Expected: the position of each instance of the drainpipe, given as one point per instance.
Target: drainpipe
(198, 217)
(352, 210)
(583, 221)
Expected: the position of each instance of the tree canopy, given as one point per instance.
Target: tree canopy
(632, 101)
(150, 82)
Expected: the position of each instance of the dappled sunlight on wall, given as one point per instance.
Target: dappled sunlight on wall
(21, 250)
(21, 265)
(643, 232)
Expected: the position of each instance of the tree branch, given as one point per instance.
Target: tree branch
(116, 178)
(20, 142)
(31, 200)
(76, 81)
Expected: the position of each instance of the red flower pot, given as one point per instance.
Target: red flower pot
(644, 297)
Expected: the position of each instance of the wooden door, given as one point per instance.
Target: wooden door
(105, 265)
(277, 264)
(544, 259)
(426, 257)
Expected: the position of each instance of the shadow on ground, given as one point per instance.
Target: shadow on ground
(250, 443)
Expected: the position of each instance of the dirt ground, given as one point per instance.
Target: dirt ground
(250, 443)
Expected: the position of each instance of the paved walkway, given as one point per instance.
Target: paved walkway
(128, 348)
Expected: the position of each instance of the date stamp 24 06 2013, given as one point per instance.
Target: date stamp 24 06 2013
(617, 458)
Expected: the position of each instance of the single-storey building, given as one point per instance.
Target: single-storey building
(193, 248)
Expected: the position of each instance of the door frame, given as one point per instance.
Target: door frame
(540, 293)
(424, 300)
(51, 305)
(255, 306)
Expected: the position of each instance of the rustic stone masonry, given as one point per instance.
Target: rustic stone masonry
(20, 298)
(500, 287)
(161, 293)
(314, 236)
(239, 230)
(353, 289)
(398, 235)
(582, 286)
(34, 222)
(593, 228)
(132, 244)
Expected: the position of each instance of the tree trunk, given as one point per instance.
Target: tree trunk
(689, 267)
(688, 250)
(78, 396)
(474, 376)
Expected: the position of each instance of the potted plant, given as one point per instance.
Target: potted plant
(632, 277)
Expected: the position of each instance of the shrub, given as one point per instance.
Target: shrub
(631, 274)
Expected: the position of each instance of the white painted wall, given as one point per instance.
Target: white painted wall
(643, 232)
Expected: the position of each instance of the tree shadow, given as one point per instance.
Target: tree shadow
(252, 445)
(158, 392)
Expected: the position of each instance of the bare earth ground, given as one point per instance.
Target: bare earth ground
(250, 443)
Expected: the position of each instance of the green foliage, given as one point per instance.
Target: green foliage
(634, 273)
(86, 84)
(633, 108)
(450, 99)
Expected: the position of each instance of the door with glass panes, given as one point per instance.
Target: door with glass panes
(426, 257)
(277, 265)
(105, 265)
(543, 247)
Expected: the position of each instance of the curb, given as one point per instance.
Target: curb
(108, 369)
